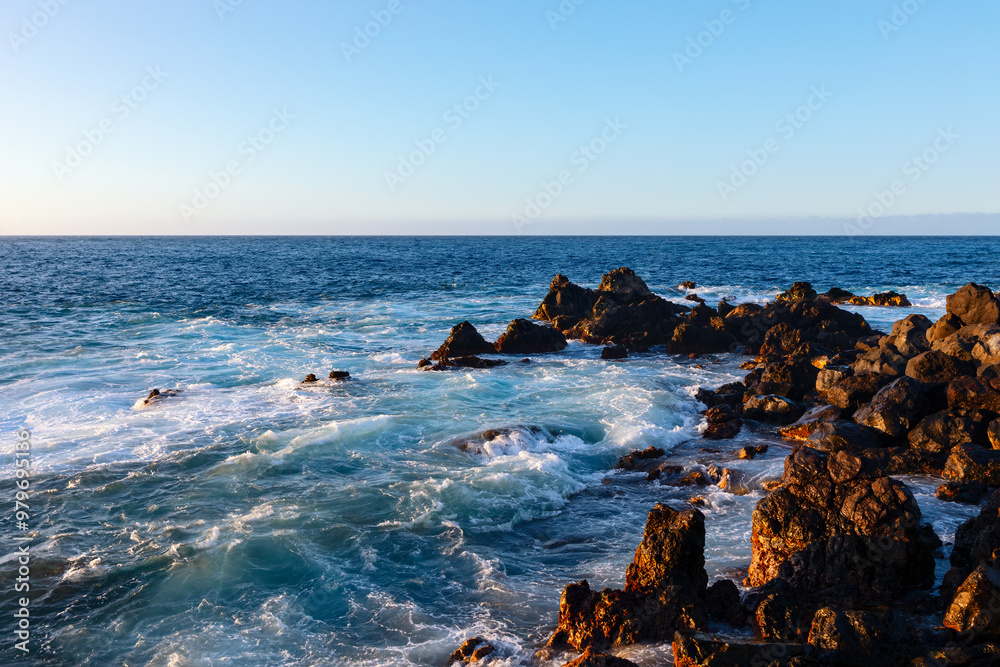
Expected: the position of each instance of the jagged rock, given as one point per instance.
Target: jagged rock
(970, 493)
(854, 391)
(463, 341)
(340, 375)
(822, 323)
(972, 463)
(830, 376)
(614, 353)
(779, 615)
(895, 409)
(909, 335)
(781, 340)
(975, 343)
(934, 366)
(733, 481)
(975, 610)
(472, 651)
(836, 528)
(810, 421)
(687, 284)
(797, 292)
(968, 393)
(629, 461)
(943, 328)
(311, 378)
(566, 303)
(857, 638)
(665, 589)
(591, 658)
(669, 470)
(705, 651)
(974, 304)
(772, 409)
(941, 431)
(523, 337)
(695, 298)
(841, 435)
(981, 655)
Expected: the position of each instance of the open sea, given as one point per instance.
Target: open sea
(251, 520)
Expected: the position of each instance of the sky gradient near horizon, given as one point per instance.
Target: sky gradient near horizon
(547, 117)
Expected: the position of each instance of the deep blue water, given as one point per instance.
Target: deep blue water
(251, 520)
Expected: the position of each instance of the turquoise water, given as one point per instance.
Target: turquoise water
(251, 520)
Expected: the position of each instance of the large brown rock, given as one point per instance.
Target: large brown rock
(854, 391)
(934, 366)
(772, 409)
(524, 337)
(842, 435)
(697, 338)
(792, 378)
(944, 327)
(463, 341)
(884, 359)
(974, 304)
(797, 292)
(830, 376)
(472, 651)
(665, 589)
(941, 431)
(895, 409)
(976, 343)
(968, 393)
(972, 463)
(975, 610)
(838, 529)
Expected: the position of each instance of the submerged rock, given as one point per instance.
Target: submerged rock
(156, 396)
(472, 651)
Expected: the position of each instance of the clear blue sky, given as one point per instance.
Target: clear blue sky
(673, 129)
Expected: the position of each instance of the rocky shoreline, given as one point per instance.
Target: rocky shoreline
(842, 568)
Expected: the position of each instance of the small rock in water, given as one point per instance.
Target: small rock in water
(694, 297)
(969, 493)
(339, 375)
(310, 379)
(156, 396)
(751, 452)
(629, 461)
(614, 353)
(688, 284)
(423, 363)
(471, 651)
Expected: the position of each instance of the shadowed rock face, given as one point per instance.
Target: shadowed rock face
(838, 525)
(464, 341)
(523, 337)
(591, 658)
(975, 609)
(665, 589)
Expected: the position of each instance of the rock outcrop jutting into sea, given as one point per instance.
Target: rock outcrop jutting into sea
(842, 568)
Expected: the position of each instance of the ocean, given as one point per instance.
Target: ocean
(251, 520)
